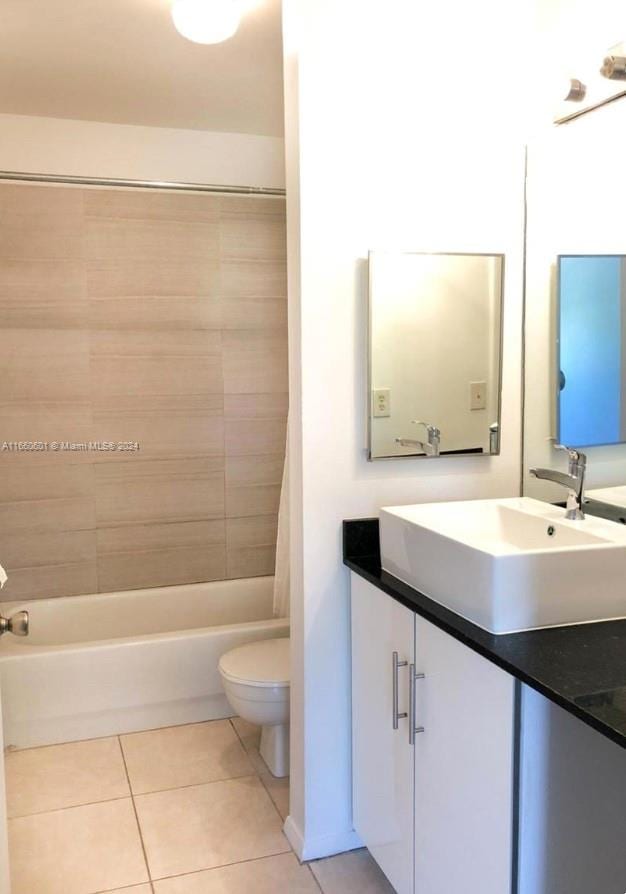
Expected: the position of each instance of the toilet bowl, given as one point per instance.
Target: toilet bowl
(256, 682)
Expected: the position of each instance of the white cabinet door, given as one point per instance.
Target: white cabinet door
(464, 768)
(382, 756)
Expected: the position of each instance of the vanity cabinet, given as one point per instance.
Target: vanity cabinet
(434, 807)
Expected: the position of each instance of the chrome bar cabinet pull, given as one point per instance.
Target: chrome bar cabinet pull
(412, 728)
(395, 664)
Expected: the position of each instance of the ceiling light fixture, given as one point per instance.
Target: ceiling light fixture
(576, 91)
(206, 21)
(614, 68)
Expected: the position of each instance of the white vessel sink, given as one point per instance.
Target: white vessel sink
(508, 565)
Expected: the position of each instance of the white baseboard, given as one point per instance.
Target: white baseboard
(323, 845)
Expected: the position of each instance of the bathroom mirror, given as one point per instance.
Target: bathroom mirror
(591, 369)
(435, 353)
(575, 308)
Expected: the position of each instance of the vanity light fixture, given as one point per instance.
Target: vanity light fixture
(614, 68)
(206, 21)
(576, 92)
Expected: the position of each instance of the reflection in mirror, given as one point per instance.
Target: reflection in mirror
(435, 354)
(592, 350)
(574, 274)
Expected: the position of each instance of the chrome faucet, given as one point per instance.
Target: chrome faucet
(574, 481)
(430, 446)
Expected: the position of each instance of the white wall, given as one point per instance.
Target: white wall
(576, 194)
(382, 151)
(92, 149)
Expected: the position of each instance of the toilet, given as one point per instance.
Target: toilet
(256, 682)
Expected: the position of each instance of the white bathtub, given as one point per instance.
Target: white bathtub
(120, 662)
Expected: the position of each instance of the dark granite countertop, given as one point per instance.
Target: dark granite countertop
(581, 668)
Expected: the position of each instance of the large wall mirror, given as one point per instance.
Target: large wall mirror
(435, 354)
(575, 344)
(591, 373)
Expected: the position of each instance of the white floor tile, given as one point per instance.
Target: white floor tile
(184, 755)
(204, 826)
(80, 850)
(355, 872)
(272, 875)
(58, 776)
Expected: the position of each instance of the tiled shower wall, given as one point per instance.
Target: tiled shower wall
(156, 318)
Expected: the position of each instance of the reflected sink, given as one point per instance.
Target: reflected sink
(508, 565)
(614, 495)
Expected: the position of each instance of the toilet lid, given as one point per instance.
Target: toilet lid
(263, 663)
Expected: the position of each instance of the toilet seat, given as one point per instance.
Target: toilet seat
(263, 664)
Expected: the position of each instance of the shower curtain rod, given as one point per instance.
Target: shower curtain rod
(142, 184)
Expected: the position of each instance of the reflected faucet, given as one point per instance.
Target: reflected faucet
(574, 481)
(430, 446)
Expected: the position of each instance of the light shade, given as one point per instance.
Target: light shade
(206, 21)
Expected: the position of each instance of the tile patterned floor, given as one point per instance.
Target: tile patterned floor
(184, 810)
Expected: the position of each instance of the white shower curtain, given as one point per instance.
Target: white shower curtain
(281, 573)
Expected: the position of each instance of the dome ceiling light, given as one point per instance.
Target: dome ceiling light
(206, 21)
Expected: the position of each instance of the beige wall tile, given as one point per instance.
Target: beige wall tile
(270, 875)
(45, 482)
(146, 240)
(59, 776)
(256, 406)
(253, 236)
(42, 294)
(81, 849)
(177, 535)
(40, 222)
(25, 550)
(203, 826)
(155, 375)
(256, 561)
(257, 499)
(254, 362)
(252, 469)
(36, 516)
(251, 546)
(184, 755)
(147, 343)
(241, 278)
(160, 568)
(161, 554)
(155, 362)
(253, 484)
(48, 421)
(142, 317)
(255, 314)
(255, 436)
(174, 490)
(257, 205)
(44, 364)
(45, 203)
(164, 426)
(50, 581)
(168, 313)
(112, 277)
(136, 205)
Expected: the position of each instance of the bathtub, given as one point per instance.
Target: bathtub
(120, 662)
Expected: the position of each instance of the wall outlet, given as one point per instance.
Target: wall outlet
(381, 402)
(478, 395)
